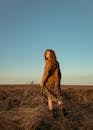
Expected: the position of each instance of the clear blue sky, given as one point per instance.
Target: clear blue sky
(28, 27)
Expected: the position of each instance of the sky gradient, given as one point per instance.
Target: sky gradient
(29, 27)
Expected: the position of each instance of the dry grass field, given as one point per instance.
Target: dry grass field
(23, 108)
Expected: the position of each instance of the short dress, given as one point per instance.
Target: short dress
(51, 80)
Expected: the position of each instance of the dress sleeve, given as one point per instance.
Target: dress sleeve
(46, 72)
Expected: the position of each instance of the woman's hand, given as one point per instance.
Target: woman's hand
(41, 84)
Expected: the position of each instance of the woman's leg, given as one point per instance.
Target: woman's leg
(50, 103)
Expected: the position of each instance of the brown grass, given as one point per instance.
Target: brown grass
(23, 108)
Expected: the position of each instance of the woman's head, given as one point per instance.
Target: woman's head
(50, 55)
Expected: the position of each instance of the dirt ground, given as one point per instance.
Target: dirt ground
(23, 108)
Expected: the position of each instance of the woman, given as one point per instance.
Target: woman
(50, 83)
